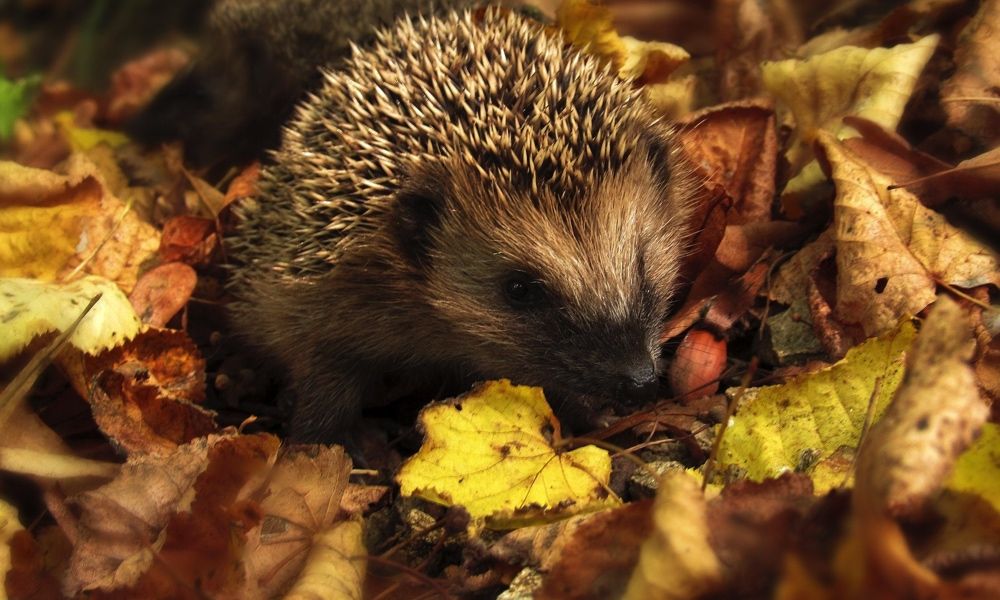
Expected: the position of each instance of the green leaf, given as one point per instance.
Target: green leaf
(15, 98)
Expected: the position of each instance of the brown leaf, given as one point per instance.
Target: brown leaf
(135, 83)
(191, 240)
(891, 250)
(748, 32)
(144, 394)
(170, 526)
(936, 414)
(971, 97)
(162, 292)
(596, 561)
(301, 498)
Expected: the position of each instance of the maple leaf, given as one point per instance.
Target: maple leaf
(495, 452)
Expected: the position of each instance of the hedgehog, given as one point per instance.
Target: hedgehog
(467, 197)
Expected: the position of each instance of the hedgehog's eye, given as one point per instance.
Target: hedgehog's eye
(522, 290)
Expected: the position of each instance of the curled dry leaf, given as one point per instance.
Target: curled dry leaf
(162, 292)
(970, 98)
(57, 224)
(935, 415)
(497, 452)
(144, 394)
(676, 560)
(30, 308)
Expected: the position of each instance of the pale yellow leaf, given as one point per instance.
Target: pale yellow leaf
(676, 561)
(30, 308)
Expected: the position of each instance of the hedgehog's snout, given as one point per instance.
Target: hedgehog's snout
(638, 383)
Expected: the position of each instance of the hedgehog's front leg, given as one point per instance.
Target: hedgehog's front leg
(330, 394)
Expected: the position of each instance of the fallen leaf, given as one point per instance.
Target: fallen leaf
(162, 292)
(335, 567)
(977, 470)
(891, 251)
(590, 26)
(145, 394)
(191, 240)
(303, 505)
(747, 33)
(822, 90)
(81, 139)
(136, 82)
(58, 225)
(497, 452)
(676, 560)
(172, 525)
(9, 525)
(970, 96)
(597, 557)
(30, 308)
(792, 426)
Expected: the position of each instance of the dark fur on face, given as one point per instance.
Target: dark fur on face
(602, 266)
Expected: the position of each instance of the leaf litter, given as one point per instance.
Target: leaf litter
(840, 318)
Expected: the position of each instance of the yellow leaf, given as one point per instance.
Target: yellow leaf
(9, 525)
(81, 139)
(335, 567)
(792, 426)
(978, 468)
(31, 308)
(495, 452)
(676, 561)
(820, 91)
(56, 225)
(589, 26)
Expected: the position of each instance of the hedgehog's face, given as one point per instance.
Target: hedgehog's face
(568, 295)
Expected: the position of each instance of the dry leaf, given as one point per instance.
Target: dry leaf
(145, 394)
(597, 557)
(891, 250)
(162, 292)
(676, 561)
(171, 526)
(934, 416)
(821, 91)
(302, 502)
(970, 98)
(793, 426)
(30, 308)
(54, 223)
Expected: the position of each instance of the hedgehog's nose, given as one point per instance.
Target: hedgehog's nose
(639, 385)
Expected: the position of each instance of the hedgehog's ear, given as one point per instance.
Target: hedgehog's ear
(416, 213)
(658, 149)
